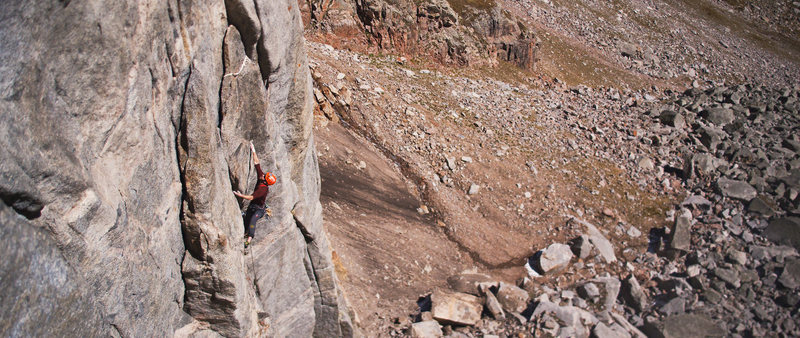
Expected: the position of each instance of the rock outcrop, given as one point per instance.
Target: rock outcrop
(448, 31)
(123, 136)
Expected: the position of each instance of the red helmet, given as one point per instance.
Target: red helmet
(270, 178)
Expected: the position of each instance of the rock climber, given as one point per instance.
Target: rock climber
(258, 200)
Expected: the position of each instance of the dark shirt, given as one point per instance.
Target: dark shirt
(261, 190)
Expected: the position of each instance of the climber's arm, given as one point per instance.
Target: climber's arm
(253, 150)
(247, 197)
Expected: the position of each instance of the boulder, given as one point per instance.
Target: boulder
(790, 277)
(719, 116)
(426, 329)
(581, 246)
(494, 307)
(672, 119)
(681, 235)
(600, 242)
(736, 189)
(512, 298)
(456, 308)
(684, 325)
(589, 291)
(784, 230)
(632, 294)
(555, 257)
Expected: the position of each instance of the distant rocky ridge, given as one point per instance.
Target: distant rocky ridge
(454, 32)
(126, 125)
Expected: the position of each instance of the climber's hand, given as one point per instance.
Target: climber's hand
(269, 212)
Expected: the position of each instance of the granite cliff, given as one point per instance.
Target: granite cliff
(126, 125)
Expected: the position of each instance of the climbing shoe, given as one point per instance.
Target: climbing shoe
(246, 243)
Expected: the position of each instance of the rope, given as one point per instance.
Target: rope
(246, 60)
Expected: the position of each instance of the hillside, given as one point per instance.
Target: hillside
(432, 172)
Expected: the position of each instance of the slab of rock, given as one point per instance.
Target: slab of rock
(456, 308)
(684, 325)
(494, 307)
(736, 189)
(790, 277)
(784, 230)
(729, 276)
(758, 205)
(696, 201)
(556, 257)
(718, 115)
(426, 329)
(513, 298)
(469, 282)
(681, 235)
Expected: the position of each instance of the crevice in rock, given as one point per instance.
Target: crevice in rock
(23, 203)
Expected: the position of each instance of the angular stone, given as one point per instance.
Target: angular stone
(729, 276)
(696, 201)
(737, 257)
(710, 137)
(684, 325)
(581, 246)
(456, 308)
(600, 242)
(681, 236)
(784, 230)
(474, 189)
(494, 307)
(512, 298)
(780, 252)
(632, 294)
(672, 119)
(676, 305)
(736, 189)
(426, 329)
(759, 206)
(790, 277)
(601, 330)
(555, 257)
(589, 291)
(718, 115)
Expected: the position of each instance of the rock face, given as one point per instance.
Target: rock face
(464, 33)
(123, 138)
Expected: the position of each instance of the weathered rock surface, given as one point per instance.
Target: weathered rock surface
(456, 308)
(554, 257)
(471, 33)
(426, 329)
(124, 137)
